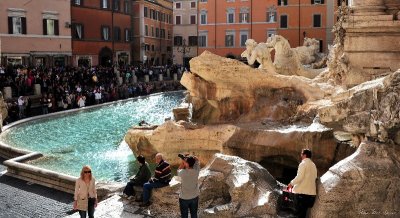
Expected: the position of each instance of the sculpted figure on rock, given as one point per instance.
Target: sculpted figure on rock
(288, 61)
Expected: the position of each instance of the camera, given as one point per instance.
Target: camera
(181, 156)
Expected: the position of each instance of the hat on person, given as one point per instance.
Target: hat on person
(190, 160)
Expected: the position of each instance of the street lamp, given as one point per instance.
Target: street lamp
(183, 48)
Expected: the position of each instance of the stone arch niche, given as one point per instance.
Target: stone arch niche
(106, 57)
(282, 167)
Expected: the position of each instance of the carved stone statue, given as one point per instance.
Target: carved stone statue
(258, 52)
(308, 52)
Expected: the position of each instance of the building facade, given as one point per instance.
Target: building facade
(185, 32)
(152, 32)
(35, 32)
(225, 25)
(101, 32)
(307, 18)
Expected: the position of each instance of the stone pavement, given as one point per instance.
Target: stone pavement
(117, 207)
(19, 198)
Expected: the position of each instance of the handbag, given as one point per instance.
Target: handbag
(82, 204)
(288, 201)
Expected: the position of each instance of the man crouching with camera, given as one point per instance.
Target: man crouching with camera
(189, 170)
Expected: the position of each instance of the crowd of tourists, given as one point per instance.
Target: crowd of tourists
(68, 87)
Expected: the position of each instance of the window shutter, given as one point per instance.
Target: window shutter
(23, 21)
(10, 25)
(312, 2)
(44, 27)
(56, 28)
(101, 31)
(322, 2)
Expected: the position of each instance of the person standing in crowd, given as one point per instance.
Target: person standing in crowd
(162, 177)
(141, 177)
(85, 197)
(21, 107)
(304, 184)
(189, 170)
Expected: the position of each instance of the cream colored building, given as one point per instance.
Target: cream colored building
(35, 32)
(185, 31)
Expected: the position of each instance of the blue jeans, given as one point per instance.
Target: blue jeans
(91, 202)
(186, 205)
(147, 187)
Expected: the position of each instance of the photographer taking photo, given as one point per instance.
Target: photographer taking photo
(188, 171)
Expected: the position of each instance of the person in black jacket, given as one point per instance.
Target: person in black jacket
(162, 177)
(141, 177)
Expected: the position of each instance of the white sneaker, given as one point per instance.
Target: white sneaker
(130, 197)
(125, 196)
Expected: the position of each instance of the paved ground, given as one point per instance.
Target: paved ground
(21, 199)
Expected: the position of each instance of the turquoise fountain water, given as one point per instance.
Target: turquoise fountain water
(91, 137)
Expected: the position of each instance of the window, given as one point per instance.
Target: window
(78, 31)
(152, 47)
(169, 34)
(177, 5)
(145, 12)
(17, 25)
(77, 2)
(50, 27)
(162, 33)
(104, 4)
(117, 34)
(178, 40)
(315, 2)
(271, 15)
(203, 0)
(230, 39)
(178, 20)
(271, 33)
(116, 5)
(230, 16)
(243, 17)
(146, 30)
(284, 21)
(203, 40)
(192, 40)
(192, 4)
(127, 35)
(317, 20)
(105, 33)
(282, 2)
(244, 35)
(127, 7)
(157, 32)
(152, 31)
(193, 19)
(203, 17)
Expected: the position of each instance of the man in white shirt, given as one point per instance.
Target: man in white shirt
(304, 184)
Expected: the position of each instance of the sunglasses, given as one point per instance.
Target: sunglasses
(87, 171)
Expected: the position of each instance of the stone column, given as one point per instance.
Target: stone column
(37, 90)
(368, 7)
(175, 77)
(134, 79)
(146, 78)
(160, 77)
(168, 73)
(120, 80)
(7, 92)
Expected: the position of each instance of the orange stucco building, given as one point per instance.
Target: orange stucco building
(224, 25)
(152, 32)
(101, 32)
